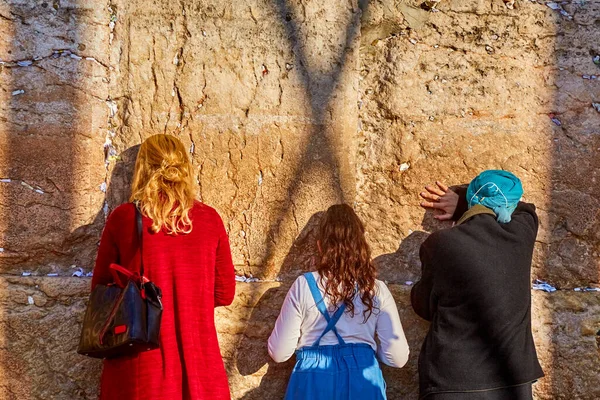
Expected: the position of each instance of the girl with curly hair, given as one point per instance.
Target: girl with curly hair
(339, 319)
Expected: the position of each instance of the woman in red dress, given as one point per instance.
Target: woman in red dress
(186, 253)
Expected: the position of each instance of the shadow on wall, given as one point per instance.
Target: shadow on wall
(118, 191)
(401, 270)
(251, 352)
(40, 133)
(572, 243)
(42, 116)
(323, 149)
(404, 265)
(49, 177)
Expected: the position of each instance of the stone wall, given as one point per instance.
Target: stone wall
(288, 106)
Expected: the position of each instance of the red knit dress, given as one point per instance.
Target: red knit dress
(196, 274)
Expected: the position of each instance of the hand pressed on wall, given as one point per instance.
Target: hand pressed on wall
(441, 198)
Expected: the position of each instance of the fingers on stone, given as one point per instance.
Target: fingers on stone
(442, 186)
(435, 190)
(429, 196)
(428, 204)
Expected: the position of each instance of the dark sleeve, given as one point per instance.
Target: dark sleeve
(462, 205)
(224, 270)
(525, 214)
(108, 253)
(420, 295)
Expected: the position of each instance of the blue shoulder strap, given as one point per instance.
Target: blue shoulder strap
(331, 321)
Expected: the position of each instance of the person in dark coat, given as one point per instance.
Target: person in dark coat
(475, 289)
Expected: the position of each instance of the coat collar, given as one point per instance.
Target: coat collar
(473, 211)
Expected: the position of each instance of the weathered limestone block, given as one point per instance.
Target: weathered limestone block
(566, 328)
(475, 86)
(40, 321)
(437, 105)
(53, 77)
(264, 98)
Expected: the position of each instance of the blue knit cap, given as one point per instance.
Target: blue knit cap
(498, 190)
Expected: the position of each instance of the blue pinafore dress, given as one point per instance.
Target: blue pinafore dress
(345, 371)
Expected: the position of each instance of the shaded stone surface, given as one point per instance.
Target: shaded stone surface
(53, 75)
(40, 324)
(567, 335)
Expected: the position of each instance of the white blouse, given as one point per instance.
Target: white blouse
(300, 324)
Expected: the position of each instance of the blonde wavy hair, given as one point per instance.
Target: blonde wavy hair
(163, 184)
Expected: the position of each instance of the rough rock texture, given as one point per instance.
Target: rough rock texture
(52, 123)
(265, 102)
(567, 335)
(40, 315)
(477, 87)
(288, 106)
(39, 322)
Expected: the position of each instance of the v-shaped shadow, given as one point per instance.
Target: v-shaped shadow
(322, 151)
(323, 148)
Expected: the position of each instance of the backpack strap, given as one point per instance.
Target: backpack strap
(139, 226)
(318, 298)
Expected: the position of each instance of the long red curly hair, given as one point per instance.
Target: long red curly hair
(345, 259)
